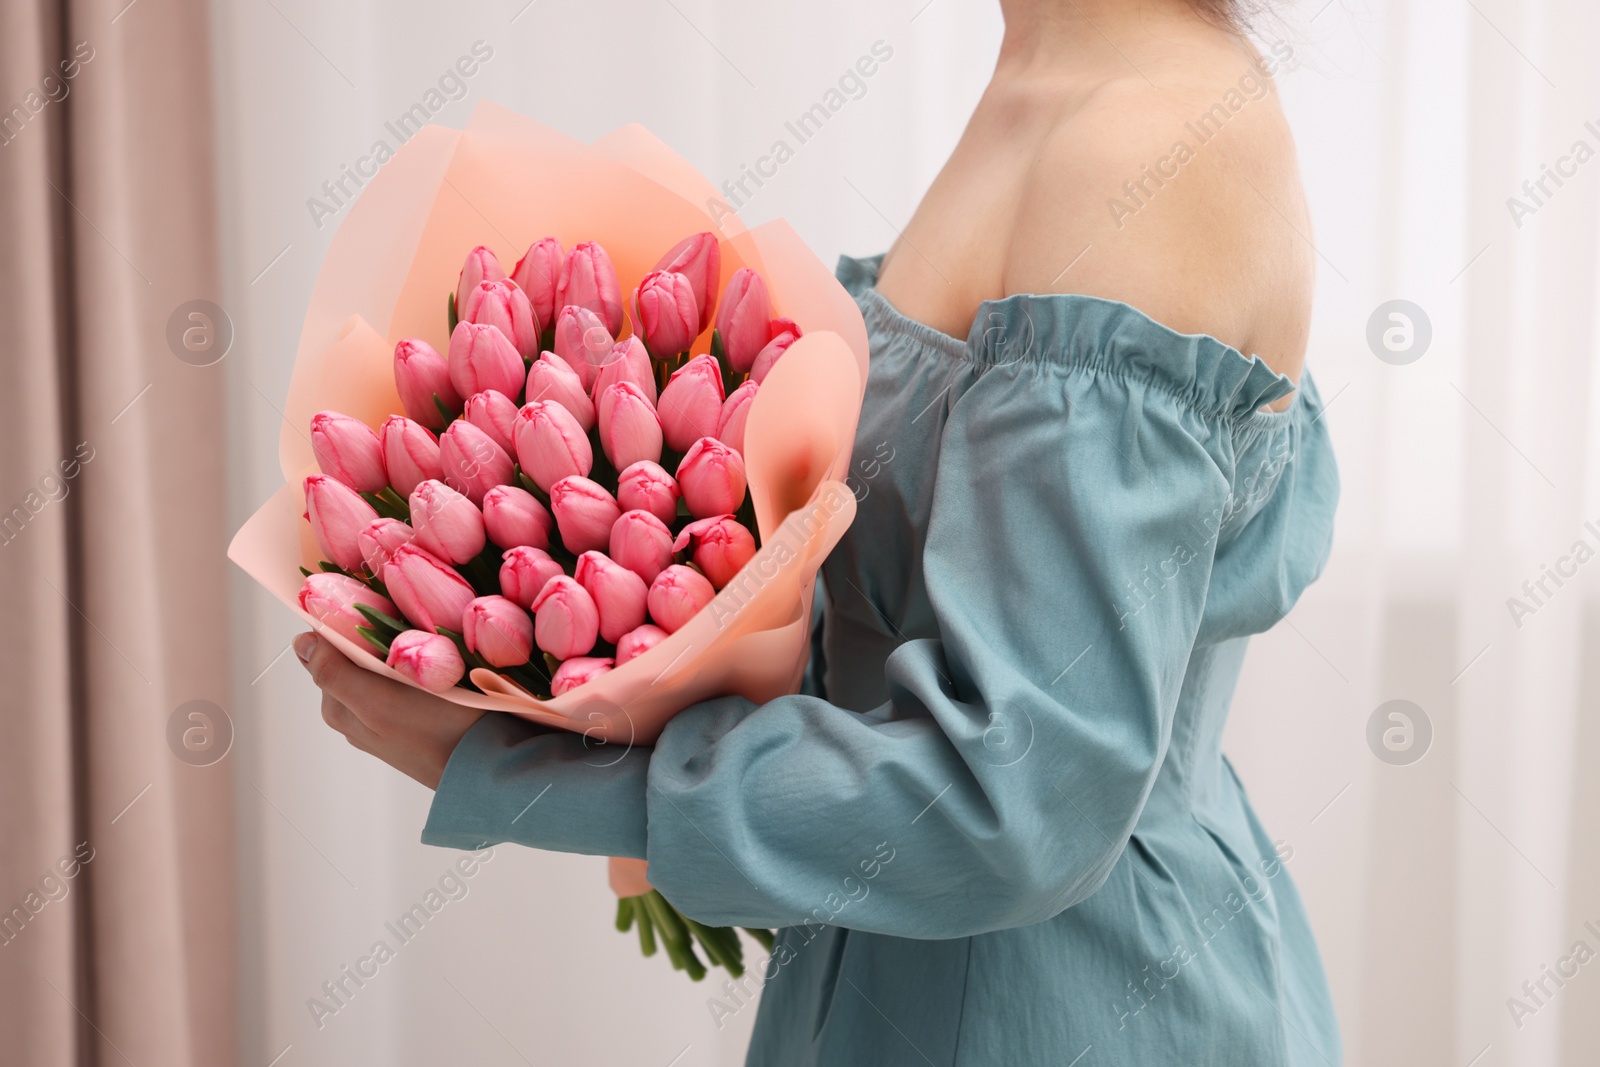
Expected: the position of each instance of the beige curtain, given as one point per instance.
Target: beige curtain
(117, 885)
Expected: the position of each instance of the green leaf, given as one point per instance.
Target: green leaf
(380, 621)
(333, 568)
(762, 937)
(305, 572)
(376, 640)
(444, 412)
(451, 315)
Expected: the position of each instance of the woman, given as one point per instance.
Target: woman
(998, 827)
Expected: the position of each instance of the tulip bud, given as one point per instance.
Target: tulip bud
(536, 274)
(665, 313)
(744, 319)
(472, 463)
(575, 672)
(482, 265)
(447, 524)
(410, 453)
(677, 595)
(720, 547)
(524, 572)
(691, 403)
(551, 444)
(628, 361)
(337, 515)
(331, 599)
(348, 449)
(430, 661)
(784, 334)
(420, 374)
(642, 543)
(584, 513)
(497, 630)
(565, 619)
(638, 641)
(646, 486)
(379, 539)
(495, 414)
(481, 357)
(712, 478)
(505, 307)
(698, 258)
(513, 516)
(589, 280)
(735, 414)
(426, 588)
(552, 378)
(583, 341)
(630, 432)
(619, 594)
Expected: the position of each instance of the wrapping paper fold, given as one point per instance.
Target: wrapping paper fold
(506, 181)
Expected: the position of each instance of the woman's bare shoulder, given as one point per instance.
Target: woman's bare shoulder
(1182, 200)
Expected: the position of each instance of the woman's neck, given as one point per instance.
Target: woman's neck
(1045, 37)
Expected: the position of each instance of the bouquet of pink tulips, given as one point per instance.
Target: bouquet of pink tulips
(544, 502)
(547, 515)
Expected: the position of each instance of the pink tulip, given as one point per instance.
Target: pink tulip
(584, 513)
(552, 378)
(677, 595)
(524, 572)
(629, 429)
(698, 258)
(583, 341)
(497, 630)
(482, 265)
(447, 524)
(426, 588)
(379, 539)
(565, 619)
(743, 320)
(348, 449)
(472, 463)
(646, 486)
(784, 334)
(513, 517)
(505, 307)
(589, 280)
(619, 594)
(331, 599)
(628, 361)
(495, 414)
(431, 661)
(410, 453)
(712, 478)
(691, 403)
(536, 274)
(735, 414)
(642, 543)
(719, 546)
(638, 641)
(481, 357)
(420, 374)
(337, 515)
(551, 443)
(575, 672)
(665, 313)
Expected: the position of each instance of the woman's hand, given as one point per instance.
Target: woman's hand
(409, 729)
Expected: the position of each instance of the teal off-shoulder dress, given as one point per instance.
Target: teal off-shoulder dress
(997, 827)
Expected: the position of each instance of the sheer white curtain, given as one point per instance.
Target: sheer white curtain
(1438, 887)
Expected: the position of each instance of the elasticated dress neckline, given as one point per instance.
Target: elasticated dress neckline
(1092, 332)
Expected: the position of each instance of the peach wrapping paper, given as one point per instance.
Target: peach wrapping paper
(506, 181)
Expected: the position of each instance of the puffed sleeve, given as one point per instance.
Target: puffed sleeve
(1066, 561)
